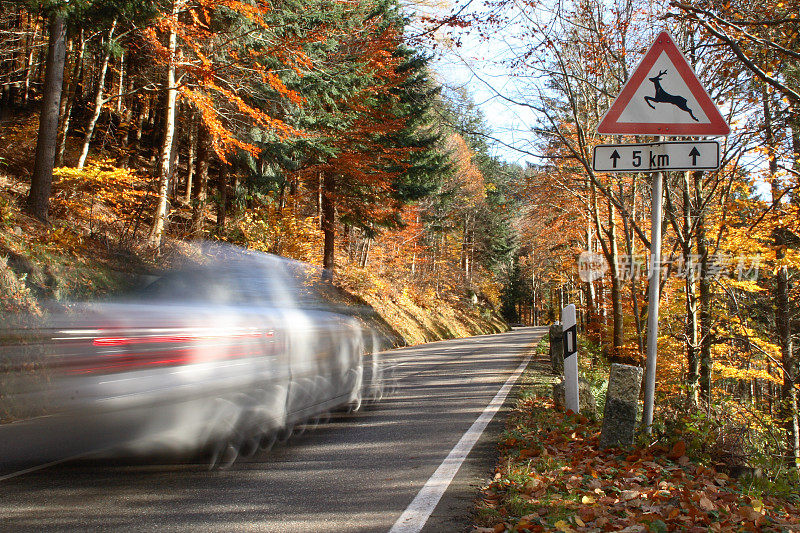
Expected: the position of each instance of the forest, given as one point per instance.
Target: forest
(309, 130)
(318, 130)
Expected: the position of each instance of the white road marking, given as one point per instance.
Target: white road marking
(40, 467)
(419, 510)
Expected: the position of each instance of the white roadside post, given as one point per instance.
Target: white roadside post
(569, 324)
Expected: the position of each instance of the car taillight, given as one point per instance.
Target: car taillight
(143, 350)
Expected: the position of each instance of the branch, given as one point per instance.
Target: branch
(736, 49)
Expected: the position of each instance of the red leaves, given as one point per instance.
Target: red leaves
(678, 450)
(214, 79)
(573, 486)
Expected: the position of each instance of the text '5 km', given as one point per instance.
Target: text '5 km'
(653, 157)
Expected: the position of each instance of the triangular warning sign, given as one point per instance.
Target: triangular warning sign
(663, 97)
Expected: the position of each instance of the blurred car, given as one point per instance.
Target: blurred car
(223, 354)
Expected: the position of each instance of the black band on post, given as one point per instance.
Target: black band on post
(571, 341)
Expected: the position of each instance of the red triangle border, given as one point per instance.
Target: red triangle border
(663, 43)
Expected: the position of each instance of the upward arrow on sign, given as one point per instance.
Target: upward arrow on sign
(694, 154)
(663, 97)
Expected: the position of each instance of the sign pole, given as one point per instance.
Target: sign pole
(652, 303)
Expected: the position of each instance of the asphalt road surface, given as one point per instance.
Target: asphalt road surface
(355, 473)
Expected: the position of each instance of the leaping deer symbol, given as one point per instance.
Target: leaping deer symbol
(663, 96)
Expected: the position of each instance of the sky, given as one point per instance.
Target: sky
(474, 65)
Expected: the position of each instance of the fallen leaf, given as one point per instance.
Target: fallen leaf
(524, 524)
(628, 495)
(561, 525)
(636, 528)
(678, 450)
(587, 500)
(707, 505)
(748, 513)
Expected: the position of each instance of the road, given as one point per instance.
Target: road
(356, 473)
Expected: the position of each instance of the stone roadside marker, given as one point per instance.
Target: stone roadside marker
(587, 402)
(622, 405)
(557, 349)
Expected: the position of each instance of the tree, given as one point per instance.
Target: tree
(219, 81)
(42, 176)
(367, 151)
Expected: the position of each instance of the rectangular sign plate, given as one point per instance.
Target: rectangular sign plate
(653, 157)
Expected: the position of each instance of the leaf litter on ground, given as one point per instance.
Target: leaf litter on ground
(552, 476)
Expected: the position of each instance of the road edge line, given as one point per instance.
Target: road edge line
(422, 506)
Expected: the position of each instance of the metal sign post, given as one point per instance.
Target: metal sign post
(653, 286)
(570, 325)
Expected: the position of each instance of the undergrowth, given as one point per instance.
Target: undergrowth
(552, 476)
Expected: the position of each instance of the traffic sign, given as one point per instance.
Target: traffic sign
(652, 157)
(663, 97)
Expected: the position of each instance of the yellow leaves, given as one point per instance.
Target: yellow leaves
(282, 232)
(723, 371)
(100, 192)
(746, 285)
(562, 525)
(588, 500)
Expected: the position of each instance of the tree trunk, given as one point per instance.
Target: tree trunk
(692, 336)
(788, 411)
(199, 205)
(616, 284)
(465, 266)
(42, 177)
(29, 63)
(169, 133)
(68, 101)
(610, 252)
(365, 252)
(174, 158)
(630, 249)
(98, 99)
(222, 201)
(126, 130)
(144, 115)
(328, 208)
(190, 163)
(120, 82)
(706, 361)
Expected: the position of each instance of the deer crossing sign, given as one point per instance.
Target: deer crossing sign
(663, 97)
